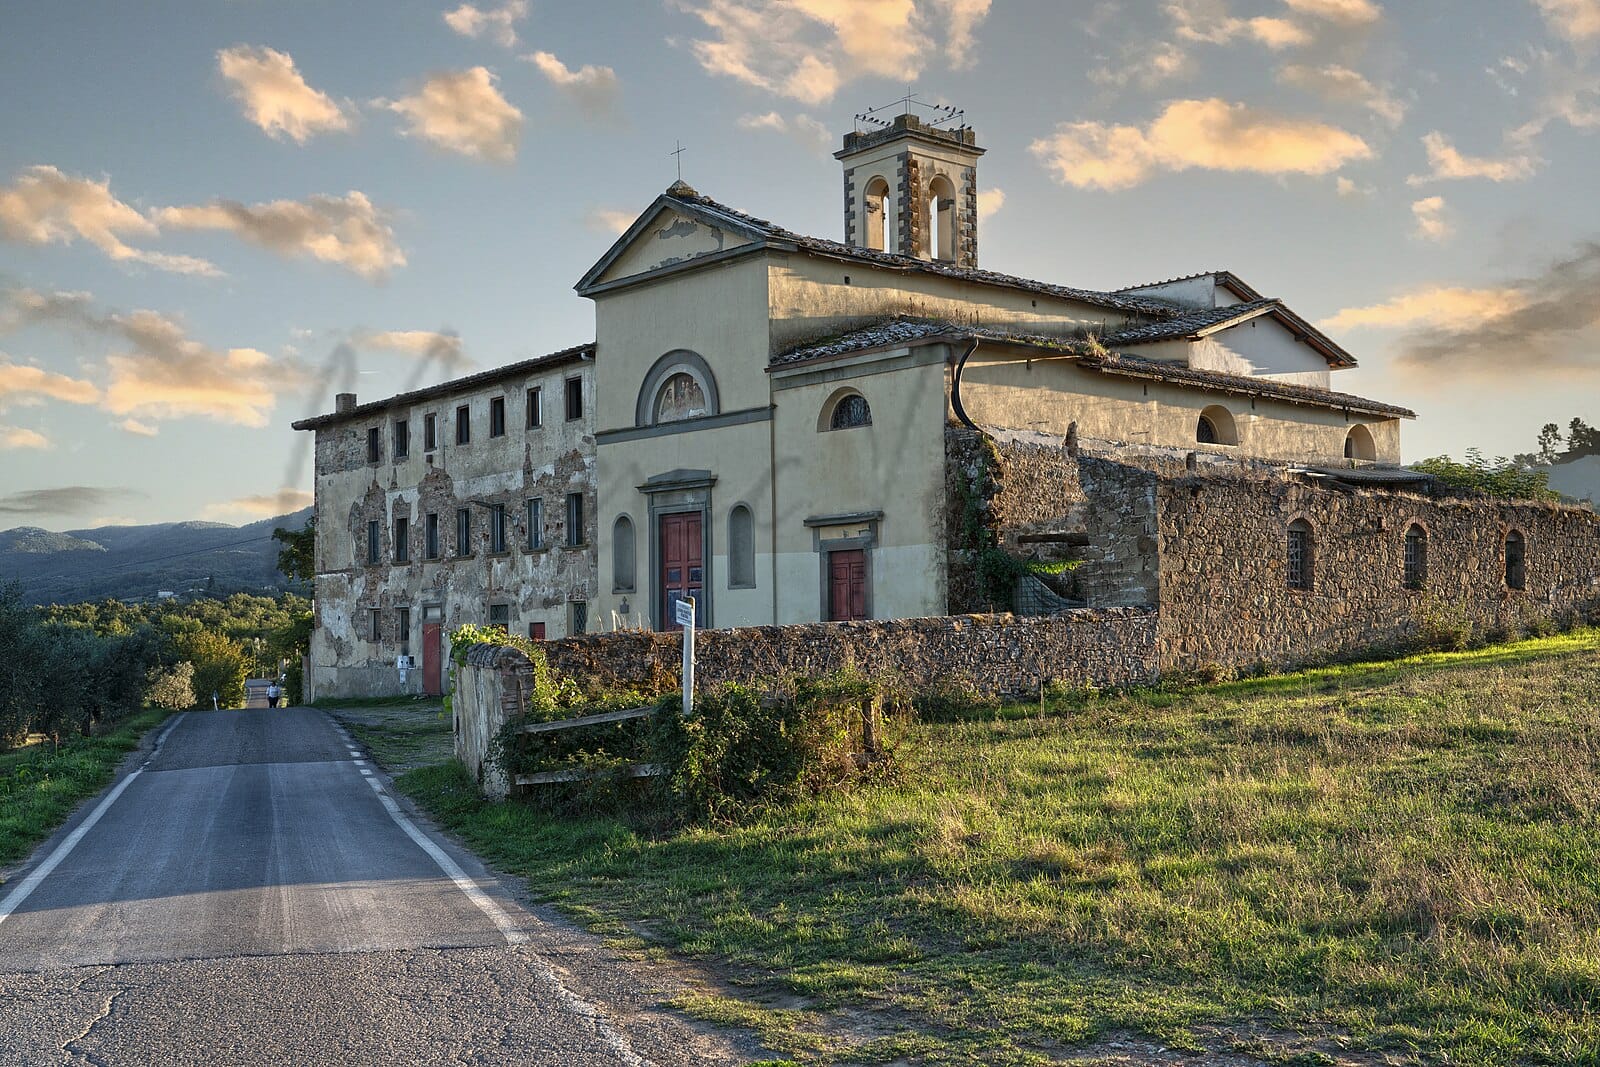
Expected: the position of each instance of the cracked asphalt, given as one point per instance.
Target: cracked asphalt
(252, 891)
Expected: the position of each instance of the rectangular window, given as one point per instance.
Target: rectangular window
(402, 626)
(535, 408)
(500, 616)
(1299, 557)
(374, 625)
(574, 399)
(535, 523)
(402, 540)
(430, 537)
(497, 416)
(577, 617)
(374, 445)
(575, 519)
(497, 528)
(463, 425)
(463, 532)
(402, 439)
(430, 432)
(536, 631)
(373, 541)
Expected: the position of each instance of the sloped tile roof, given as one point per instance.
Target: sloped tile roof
(907, 330)
(1188, 324)
(1135, 367)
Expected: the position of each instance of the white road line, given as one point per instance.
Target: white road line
(41, 872)
(452, 870)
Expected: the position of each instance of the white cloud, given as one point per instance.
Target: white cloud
(137, 428)
(499, 24)
(21, 383)
(462, 111)
(1448, 164)
(274, 95)
(1347, 188)
(1575, 20)
(45, 206)
(441, 348)
(990, 201)
(1205, 134)
(1430, 218)
(808, 49)
(1343, 12)
(593, 89)
(21, 437)
(1147, 64)
(1337, 83)
(1440, 306)
(1209, 22)
(613, 221)
(260, 505)
(347, 231)
(803, 128)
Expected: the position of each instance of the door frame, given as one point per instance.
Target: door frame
(834, 547)
(866, 539)
(676, 493)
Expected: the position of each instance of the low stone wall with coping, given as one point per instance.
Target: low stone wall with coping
(491, 689)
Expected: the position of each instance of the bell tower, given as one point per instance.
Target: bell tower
(911, 183)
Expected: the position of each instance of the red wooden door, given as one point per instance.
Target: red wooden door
(682, 566)
(847, 585)
(432, 645)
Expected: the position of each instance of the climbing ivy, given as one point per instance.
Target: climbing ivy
(995, 569)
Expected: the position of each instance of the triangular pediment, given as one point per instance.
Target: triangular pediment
(667, 235)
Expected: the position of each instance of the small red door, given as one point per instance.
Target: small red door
(847, 585)
(682, 567)
(432, 645)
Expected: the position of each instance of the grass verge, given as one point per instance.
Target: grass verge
(1383, 862)
(401, 735)
(41, 785)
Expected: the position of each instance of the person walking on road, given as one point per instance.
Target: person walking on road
(274, 691)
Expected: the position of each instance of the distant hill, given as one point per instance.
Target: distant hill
(1578, 478)
(138, 562)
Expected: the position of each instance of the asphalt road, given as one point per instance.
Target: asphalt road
(254, 892)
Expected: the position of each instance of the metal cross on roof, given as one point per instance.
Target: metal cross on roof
(678, 151)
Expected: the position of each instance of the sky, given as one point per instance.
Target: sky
(214, 216)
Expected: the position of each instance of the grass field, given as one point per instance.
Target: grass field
(40, 785)
(401, 734)
(1391, 862)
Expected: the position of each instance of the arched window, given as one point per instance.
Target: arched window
(942, 219)
(1516, 560)
(622, 555)
(850, 411)
(680, 397)
(1416, 564)
(1215, 427)
(1358, 444)
(875, 224)
(1302, 551)
(678, 386)
(741, 548)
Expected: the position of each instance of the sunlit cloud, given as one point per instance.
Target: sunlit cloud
(21, 383)
(593, 89)
(610, 221)
(431, 346)
(803, 128)
(1350, 189)
(1432, 306)
(1343, 85)
(1209, 22)
(1575, 20)
(260, 505)
(1196, 134)
(1343, 12)
(463, 112)
(45, 206)
(1446, 163)
(498, 24)
(19, 437)
(137, 428)
(990, 201)
(1431, 222)
(275, 97)
(808, 49)
(346, 231)
(1147, 64)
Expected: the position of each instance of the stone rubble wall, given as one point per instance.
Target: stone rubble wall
(491, 689)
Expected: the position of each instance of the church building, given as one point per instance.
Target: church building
(761, 420)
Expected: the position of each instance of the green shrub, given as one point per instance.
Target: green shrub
(220, 666)
(172, 687)
(1444, 625)
(953, 699)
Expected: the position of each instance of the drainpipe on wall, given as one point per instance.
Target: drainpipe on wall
(955, 386)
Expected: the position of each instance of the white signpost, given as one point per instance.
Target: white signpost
(683, 615)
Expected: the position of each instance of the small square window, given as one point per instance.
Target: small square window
(402, 439)
(577, 617)
(536, 631)
(430, 432)
(535, 408)
(497, 416)
(575, 520)
(574, 399)
(500, 616)
(463, 425)
(374, 445)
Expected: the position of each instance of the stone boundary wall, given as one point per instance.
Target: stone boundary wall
(1225, 598)
(993, 653)
(491, 689)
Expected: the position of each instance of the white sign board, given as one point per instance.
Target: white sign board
(683, 612)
